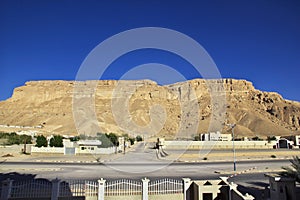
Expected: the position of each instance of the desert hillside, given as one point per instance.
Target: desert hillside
(104, 106)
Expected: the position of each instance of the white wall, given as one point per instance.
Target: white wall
(96, 150)
(218, 144)
(77, 150)
(47, 149)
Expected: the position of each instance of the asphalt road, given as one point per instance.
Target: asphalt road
(118, 170)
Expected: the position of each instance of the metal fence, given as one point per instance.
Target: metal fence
(123, 188)
(41, 188)
(31, 189)
(165, 186)
(118, 189)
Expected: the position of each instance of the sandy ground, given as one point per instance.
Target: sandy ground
(243, 155)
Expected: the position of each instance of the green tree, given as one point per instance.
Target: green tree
(13, 138)
(56, 141)
(293, 170)
(113, 138)
(197, 138)
(256, 138)
(131, 140)
(25, 139)
(270, 138)
(105, 140)
(74, 139)
(138, 138)
(41, 141)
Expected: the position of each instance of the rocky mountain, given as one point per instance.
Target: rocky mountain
(143, 107)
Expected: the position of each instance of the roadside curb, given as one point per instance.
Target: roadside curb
(241, 160)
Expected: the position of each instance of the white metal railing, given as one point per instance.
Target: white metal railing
(31, 189)
(91, 188)
(123, 188)
(165, 186)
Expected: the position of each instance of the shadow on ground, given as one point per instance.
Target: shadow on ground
(28, 187)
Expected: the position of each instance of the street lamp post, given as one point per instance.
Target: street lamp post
(232, 126)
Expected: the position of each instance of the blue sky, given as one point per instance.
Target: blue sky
(254, 40)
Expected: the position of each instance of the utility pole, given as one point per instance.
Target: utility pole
(25, 142)
(124, 145)
(232, 126)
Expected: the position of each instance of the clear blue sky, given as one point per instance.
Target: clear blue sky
(256, 40)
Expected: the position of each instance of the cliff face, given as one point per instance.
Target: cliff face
(52, 106)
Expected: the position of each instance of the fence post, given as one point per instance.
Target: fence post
(186, 184)
(6, 189)
(145, 188)
(55, 189)
(101, 189)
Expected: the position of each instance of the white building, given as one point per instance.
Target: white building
(215, 136)
(88, 146)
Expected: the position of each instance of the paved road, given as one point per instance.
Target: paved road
(133, 170)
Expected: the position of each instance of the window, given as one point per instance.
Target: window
(92, 148)
(82, 148)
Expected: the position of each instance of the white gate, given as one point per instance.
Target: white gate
(123, 188)
(165, 186)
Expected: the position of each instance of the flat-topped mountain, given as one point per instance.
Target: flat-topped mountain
(51, 107)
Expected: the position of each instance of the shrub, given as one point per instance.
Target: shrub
(139, 138)
(41, 141)
(131, 140)
(13, 138)
(56, 141)
(294, 170)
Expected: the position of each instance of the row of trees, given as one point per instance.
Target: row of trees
(107, 139)
(112, 139)
(55, 141)
(14, 138)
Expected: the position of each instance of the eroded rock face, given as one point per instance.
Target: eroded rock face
(53, 105)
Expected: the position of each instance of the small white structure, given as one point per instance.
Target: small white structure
(88, 146)
(215, 136)
(296, 140)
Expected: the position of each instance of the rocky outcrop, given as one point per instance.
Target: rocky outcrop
(166, 110)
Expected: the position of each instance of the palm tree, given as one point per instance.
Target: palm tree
(293, 170)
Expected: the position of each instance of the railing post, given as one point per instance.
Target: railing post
(232, 186)
(186, 185)
(55, 189)
(101, 189)
(6, 189)
(145, 188)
